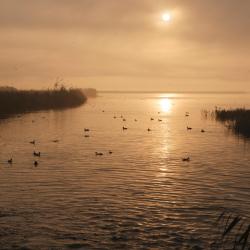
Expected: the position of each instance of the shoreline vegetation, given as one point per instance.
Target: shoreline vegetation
(14, 101)
(237, 120)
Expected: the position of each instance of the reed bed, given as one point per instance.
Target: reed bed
(21, 101)
(237, 120)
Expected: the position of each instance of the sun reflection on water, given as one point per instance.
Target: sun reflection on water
(166, 105)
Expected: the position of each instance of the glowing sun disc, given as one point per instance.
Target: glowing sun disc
(166, 17)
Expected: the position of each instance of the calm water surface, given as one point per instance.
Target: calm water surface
(143, 196)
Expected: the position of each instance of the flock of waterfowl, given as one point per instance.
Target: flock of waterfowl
(86, 134)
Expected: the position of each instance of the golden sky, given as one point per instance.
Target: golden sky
(125, 45)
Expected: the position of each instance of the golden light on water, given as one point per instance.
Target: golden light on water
(166, 105)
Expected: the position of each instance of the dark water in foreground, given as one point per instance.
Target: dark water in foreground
(143, 196)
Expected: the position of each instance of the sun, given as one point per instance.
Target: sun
(166, 17)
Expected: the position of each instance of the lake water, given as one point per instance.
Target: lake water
(142, 196)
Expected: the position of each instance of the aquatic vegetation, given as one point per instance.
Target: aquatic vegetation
(233, 232)
(20, 101)
(237, 119)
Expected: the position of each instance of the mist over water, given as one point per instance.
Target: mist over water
(142, 196)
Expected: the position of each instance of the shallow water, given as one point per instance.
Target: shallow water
(143, 196)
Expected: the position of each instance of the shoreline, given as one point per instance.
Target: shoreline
(23, 101)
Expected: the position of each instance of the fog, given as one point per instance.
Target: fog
(124, 45)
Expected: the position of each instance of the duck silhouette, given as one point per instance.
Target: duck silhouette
(189, 128)
(124, 128)
(86, 130)
(33, 142)
(35, 163)
(37, 154)
(203, 131)
(186, 159)
(10, 161)
(98, 153)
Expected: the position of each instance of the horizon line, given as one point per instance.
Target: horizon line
(172, 92)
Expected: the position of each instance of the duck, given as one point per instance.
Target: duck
(187, 114)
(98, 153)
(203, 131)
(35, 163)
(135, 120)
(124, 119)
(124, 128)
(114, 117)
(55, 141)
(149, 130)
(159, 120)
(33, 142)
(110, 152)
(86, 136)
(189, 128)
(186, 159)
(151, 119)
(38, 154)
(10, 161)
(86, 130)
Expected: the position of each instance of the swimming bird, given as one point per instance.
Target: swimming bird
(124, 128)
(55, 141)
(151, 119)
(186, 159)
(98, 153)
(124, 119)
(114, 117)
(135, 120)
(159, 120)
(38, 154)
(149, 130)
(86, 130)
(35, 163)
(187, 114)
(10, 161)
(33, 142)
(110, 152)
(203, 131)
(86, 136)
(189, 128)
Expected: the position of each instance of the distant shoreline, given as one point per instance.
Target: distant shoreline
(22, 101)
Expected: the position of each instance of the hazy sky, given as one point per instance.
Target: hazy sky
(124, 44)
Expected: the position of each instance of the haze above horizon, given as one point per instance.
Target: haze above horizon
(182, 46)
